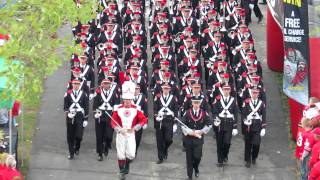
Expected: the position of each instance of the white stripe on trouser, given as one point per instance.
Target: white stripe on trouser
(126, 146)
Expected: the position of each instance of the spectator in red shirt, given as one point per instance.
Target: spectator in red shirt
(306, 144)
(315, 153)
(315, 172)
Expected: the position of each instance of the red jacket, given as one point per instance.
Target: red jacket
(314, 158)
(315, 172)
(132, 115)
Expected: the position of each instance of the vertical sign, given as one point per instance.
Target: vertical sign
(296, 46)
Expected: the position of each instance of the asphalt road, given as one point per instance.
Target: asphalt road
(49, 152)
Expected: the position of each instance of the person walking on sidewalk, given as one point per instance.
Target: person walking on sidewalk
(76, 107)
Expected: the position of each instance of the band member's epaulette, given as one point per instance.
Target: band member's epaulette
(244, 74)
(128, 12)
(98, 90)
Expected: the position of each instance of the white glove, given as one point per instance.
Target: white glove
(228, 18)
(262, 132)
(189, 131)
(234, 132)
(251, 6)
(137, 127)
(85, 123)
(97, 115)
(174, 128)
(71, 115)
(158, 119)
(234, 52)
(144, 126)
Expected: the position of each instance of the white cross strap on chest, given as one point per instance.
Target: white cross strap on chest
(75, 106)
(183, 22)
(243, 55)
(106, 105)
(225, 112)
(165, 106)
(254, 114)
(83, 74)
(138, 100)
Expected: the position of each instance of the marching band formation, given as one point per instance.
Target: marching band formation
(205, 74)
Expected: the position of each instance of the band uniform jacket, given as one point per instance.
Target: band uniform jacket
(167, 106)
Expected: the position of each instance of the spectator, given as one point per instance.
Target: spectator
(8, 169)
(305, 155)
(314, 158)
(315, 172)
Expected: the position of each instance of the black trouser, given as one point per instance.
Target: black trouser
(138, 138)
(164, 136)
(104, 134)
(256, 11)
(223, 139)
(74, 135)
(252, 145)
(193, 147)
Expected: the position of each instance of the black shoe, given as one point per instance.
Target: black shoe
(253, 161)
(70, 156)
(225, 160)
(220, 164)
(160, 161)
(189, 178)
(260, 19)
(248, 164)
(106, 152)
(76, 152)
(196, 174)
(122, 176)
(100, 158)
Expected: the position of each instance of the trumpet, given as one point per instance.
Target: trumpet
(98, 113)
(217, 122)
(159, 117)
(101, 46)
(72, 114)
(247, 122)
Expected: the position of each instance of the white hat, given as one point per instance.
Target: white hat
(128, 89)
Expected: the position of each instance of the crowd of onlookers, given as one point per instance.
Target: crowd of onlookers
(8, 169)
(308, 144)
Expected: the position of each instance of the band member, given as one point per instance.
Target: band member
(224, 111)
(196, 123)
(126, 120)
(166, 109)
(254, 124)
(76, 107)
(141, 101)
(104, 100)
